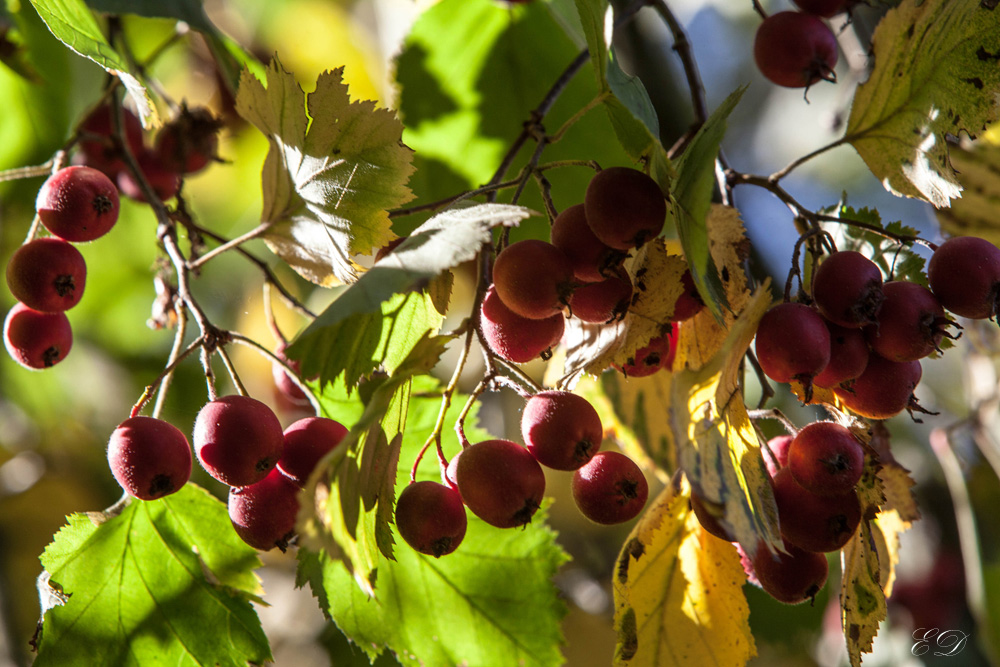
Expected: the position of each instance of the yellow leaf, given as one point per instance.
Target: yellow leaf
(862, 601)
(886, 531)
(977, 213)
(678, 593)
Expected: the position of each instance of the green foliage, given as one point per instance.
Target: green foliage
(154, 585)
(894, 259)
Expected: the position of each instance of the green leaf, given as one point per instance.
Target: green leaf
(191, 12)
(154, 585)
(459, 609)
(894, 259)
(74, 24)
(935, 75)
(692, 197)
(333, 169)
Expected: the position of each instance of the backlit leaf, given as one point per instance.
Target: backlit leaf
(861, 598)
(977, 213)
(935, 75)
(333, 170)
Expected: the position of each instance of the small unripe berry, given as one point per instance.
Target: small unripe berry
(149, 457)
(624, 207)
(263, 514)
(306, 442)
(238, 440)
(78, 204)
(795, 50)
(515, 338)
(36, 340)
(47, 274)
(560, 429)
(610, 488)
(431, 518)
(533, 278)
(500, 482)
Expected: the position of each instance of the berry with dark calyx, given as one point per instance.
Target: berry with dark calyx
(610, 488)
(847, 289)
(604, 301)
(500, 482)
(824, 8)
(658, 353)
(99, 145)
(431, 518)
(813, 522)
(795, 50)
(78, 204)
(164, 181)
(515, 338)
(793, 343)
(149, 457)
(778, 446)
(592, 261)
(189, 142)
(884, 390)
(238, 439)
(689, 303)
(36, 340)
(47, 274)
(561, 430)
(964, 275)
(826, 459)
(792, 577)
(710, 516)
(848, 356)
(264, 513)
(306, 442)
(624, 207)
(910, 324)
(533, 278)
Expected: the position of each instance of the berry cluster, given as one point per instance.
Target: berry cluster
(503, 483)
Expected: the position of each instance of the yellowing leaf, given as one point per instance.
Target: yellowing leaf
(935, 74)
(862, 601)
(333, 170)
(678, 593)
(887, 528)
(977, 213)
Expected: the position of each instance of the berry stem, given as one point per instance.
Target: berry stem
(172, 360)
(159, 381)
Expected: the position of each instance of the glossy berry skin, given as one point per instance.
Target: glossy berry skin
(847, 289)
(149, 457)
(306, 442)
(238, 440)
(592, 261)
(610, 489)
(431, 518)
(884, 390)
(824, 8)
(792, 578)
(910, 324)
(848, 356)
(500, 482)
(658, 353)
(283, 382)
(779, 446)
(624, 207)
(826, 459)
(78, 204)
(792, 343)
(812, 522)
(36, 340)
(795, 50)
(164, 180)
(515, 338)
(533, 278)
(604, 301)
(263, 514)
(98, 145)
(47, 274)
(964, 274)
(561, 430)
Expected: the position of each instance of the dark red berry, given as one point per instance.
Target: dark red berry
(964, 274)
(500, 482)
(813, 522)
(238, 439)
(847, 289)
(149, 457)
(624, 207)
(658, 353)
(47, 274)
(283, 381)
(885, 388)
(533, 278)
(604, 301)
(189, 142)
(306, 442)
(689, 303)
(610, 488)
(592, 260)
(431, 518)
(164, 181)
(264, 513)
(826, 459)
(78, 204)
(792, 577)
(36, 340)
(848, 356)
(515, 338)
(99, 145)
(793, 343)
(795, 50)
(910, 324)
(560, 429)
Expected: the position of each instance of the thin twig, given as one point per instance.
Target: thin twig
(780, 174)
(682, 45)
(175, 352)
(157, 382)
(229, 245)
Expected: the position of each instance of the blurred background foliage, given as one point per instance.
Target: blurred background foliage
(54, 425)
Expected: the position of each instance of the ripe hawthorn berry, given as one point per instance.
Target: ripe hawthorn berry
(793, 343)
(884, 390)
(592, 260)
(431, 518)
(910, 324)
(305, 443)
(847, 289)
(826, 459)
(792, 577)
(263, 513)
(689, 303)
(964, 274)
(533, 278)
(604, 301)
(795, 50)
(561, 429)
(778, 446)
(610, 488)
(47, 274)
(658, 353)
(624, 207)
(500, 482)
(149, 457)
(36, 340)
(283, 382)
(78, 204)
(99, 145)
(848, 356)
(238, 439)
(164, 180)
(813, 522)
(515, 338)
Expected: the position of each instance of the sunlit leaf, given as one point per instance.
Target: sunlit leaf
(935, 75)
(333, 170)
(678, 593)
(862, 600)
(977, 213)
(160, 583)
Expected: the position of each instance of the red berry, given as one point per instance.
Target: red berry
(910, 324)
(826, 459)
(36, 340)
(793, 343)
(99, 145)
(533, 278)
(149, 457)
(792, 577)
(560, 429)
(604, 301)
(624, 207)
(658, 353)
(431, 518)
(306, 442)
(500, 482)
(795, 50)
(163, 179)
(848, 356)
(964, 274)
(78, 204)
(190, 141)
(847, 288)
(710, 515)
(515, 338)
(283, 381)
(264, 513)
(591, 260)
(47, 274)
(689, 303)
(610, 488)
(238, 440)
(885, 388)
(813, 522)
